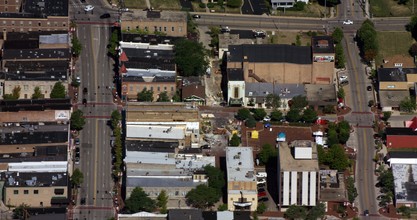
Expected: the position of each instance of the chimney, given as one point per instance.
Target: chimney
(245, 68)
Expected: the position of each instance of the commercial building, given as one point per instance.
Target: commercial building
(398, 138)
(242, 193)
(298, 174)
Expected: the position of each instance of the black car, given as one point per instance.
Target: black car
(263, 199)
(77, 141)
(85, 90)
(105, 15)
(261, 185)
(369, 88)
(84, 101)
(82, 1)
(261, 190)
(196, 16)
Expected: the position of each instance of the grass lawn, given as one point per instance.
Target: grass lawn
(135, 4)
(289, 37)
(166, 4)
(393, 43)
(390, 8)
(310, 10)
(196, 7)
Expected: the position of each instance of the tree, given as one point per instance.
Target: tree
(202, 197)
(386, 181)
(405, 211)
(267, 152)
(340, 56)
(145, 96)
(20, 212)
(235, 140)
(293, 115)
(243, 114)
(332, 137)
(339, 161)
(215, 179)
(413, 50)
(190, 57)
(408, 104)
(343, 136)
(115, 118)
(273, 101)
(337, 35)
(261, 208)
(222, 207)
(323, 155)
(77, 177)
(276, 115)
(309, 115)
(162, 201)
(296, 212)
(402, 2)
(250, 122)
(298, 102)
(176, 97)
(412, 26)
(351, 189)
(163, 97)
(316, 212)
(386, 199)
(234, 3)
(341, 93)
(76, 46)
(367, 40)
(77, 120)
(259, 114)
(298, 38)
(15, 94)
(37, 94)
(58, 91)
(114, 43)
(139, 201)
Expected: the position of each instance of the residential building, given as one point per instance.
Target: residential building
(394, 86)
(34, 15)
(242, 193)
(235, 87)
(147, 66)
(398, 138)
(404, 166)
(167, 22)
(285, 64)
(298, 174)
(193, 90)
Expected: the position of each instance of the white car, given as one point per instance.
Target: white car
(267, 118)
(78, 79)
(343, 78)
(261, 175)
(261, 181)
(348, 22)
(88, 8)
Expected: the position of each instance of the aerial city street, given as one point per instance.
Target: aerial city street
(208, 109)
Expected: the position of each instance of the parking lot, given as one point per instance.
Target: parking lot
(254, 7)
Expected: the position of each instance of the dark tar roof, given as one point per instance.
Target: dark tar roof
(402, 154)
(47, 7)
(243, 34)
(40, 153)
(322, 44)
(31, 35)
(151, 146)
(181, 214)
(35, 137)
(21, 44)
(265, 53)
(32, 179)
(159, 182)
(149, 63)
(235, 75)
(37, 65)
(155, 79)
(153, 39)
(34, 105)
(394, 74)
(400, 131)
(190, 151)
(36, 54)
(35, 76)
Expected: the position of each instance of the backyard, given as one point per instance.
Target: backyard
(390, 8)
(393, 43)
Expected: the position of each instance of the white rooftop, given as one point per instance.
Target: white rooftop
(155, 132)
(402, 160)
(42, 166)
(189, 125)
(239, 161)
(146, 46)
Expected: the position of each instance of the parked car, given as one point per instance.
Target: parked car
(347, 22)
(261, 184)
(261, 181)
(77, 155)
(261, 190)
(78, 79)
(343, 78)
(263, 199)
(85, 90)
(369, 88)
(366, 213)
(267, 118)
(105, 15)
(196, 16)
(261, 194)
(84, 101)
(88, 8)
(77, 141)
(261, 174)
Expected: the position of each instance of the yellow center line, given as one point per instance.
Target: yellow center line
(363, 131)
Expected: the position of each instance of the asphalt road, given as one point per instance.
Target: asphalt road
(95, 69)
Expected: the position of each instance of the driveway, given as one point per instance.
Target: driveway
(254, 7)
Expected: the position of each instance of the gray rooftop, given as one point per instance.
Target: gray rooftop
(38, 153)
(319, 94)
(161, 182)
(49, 8)
(392, 98)
(149, 79)
(36, 65)
(287, 162)
(37, 54)
(35, 76)
(240, 165)
(282, 90)
(37, 134)
(21, 179)
(155, 132)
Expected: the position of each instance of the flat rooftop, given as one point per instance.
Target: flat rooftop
(30, 117)
(392, 98)
(160, 112)
(320, 94)
(20, 179)
(140, 15)
(36, 65)
(151, 146)
(240, 167)
(155, 132)
(26, 134)
(287, 162)
(34, 105)
(394, 74)
(38, 153)
(161, 182)
(36, 76)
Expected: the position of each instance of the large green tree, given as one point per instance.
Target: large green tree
(339, 160)
(77, 177)
(161, 201)
(386, 181)
(351, 189)
(293, 115)
(163, 97)
(273, 101)
(276, 115)
(250, 122)
(340, 56)
(190, 57)
(243, 114)
(58, 91)
(76, 46)
(259, 114)
(77, 121)
(114, 43)
(337, 35)
(298, 102)
(296, 212)
(316, 212)
(235, 140)
(139, 201)
(215, 179)
(367, 40)
(202, 197)
(115, 118)
(267, 152)
(234, 3)
(408, 104)
(15, 94)
(145, 95)
(412, 27)
(309, 115)
(37, 93)
(21, 212)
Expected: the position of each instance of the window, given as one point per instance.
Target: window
(25, 87)
(131, 88)
(160, 28)
(21, 23)
(30, 22)
(12, 22)
(35, 191)
(15, 192)
(165, 28)
(172, 28)
(39, 24)
(151, 88)
(59, 191)
(25, 191)
(172, 88)
(236, 93)
(159, 88)
(165, 88)
(180, 29)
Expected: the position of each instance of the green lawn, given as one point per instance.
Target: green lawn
(166, 4)
(393, 43)
(310, 10)
(135, 4)
(390, 8)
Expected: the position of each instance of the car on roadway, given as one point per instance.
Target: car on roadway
(261, 194)
(366, 213)
(84, 101)
(82, 1)
(259, 33)
(347, 22)
(85, 90)
(88, 8)
(369, 88)
(196, 16)
(267, 118)
(261, 190)
(77, 155)
(78, 79)
(77, 141)
(261, 174)
(343, 78)
(105, 15)
(261, 184)
(225, 29)
(260, 181)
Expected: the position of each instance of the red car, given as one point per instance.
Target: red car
(261, 194)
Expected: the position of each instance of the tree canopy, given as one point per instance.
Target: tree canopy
(309, 115)
(366, 37)
(351, 189)
(77, 177)
(234, 3)
(250, 122)
(276, 115)
(316, 212)
(163, 97)
(215, 178)
(139, 201)
(408, 104)
(161, 201)
(267, 152)
(77, 121)
(338, 159)
(259, 114)
(202, 197)
(145, 95)
(298, 102)
(76, 46)
(296, 212)
(37, 94)
(235, 140)
(190, 57)
(58, 91)
(243, 114)
(20, 212)
(115, 118)
(293, 115)
(114, 43)
(337, 35)
(273, 101)
(15, 94)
